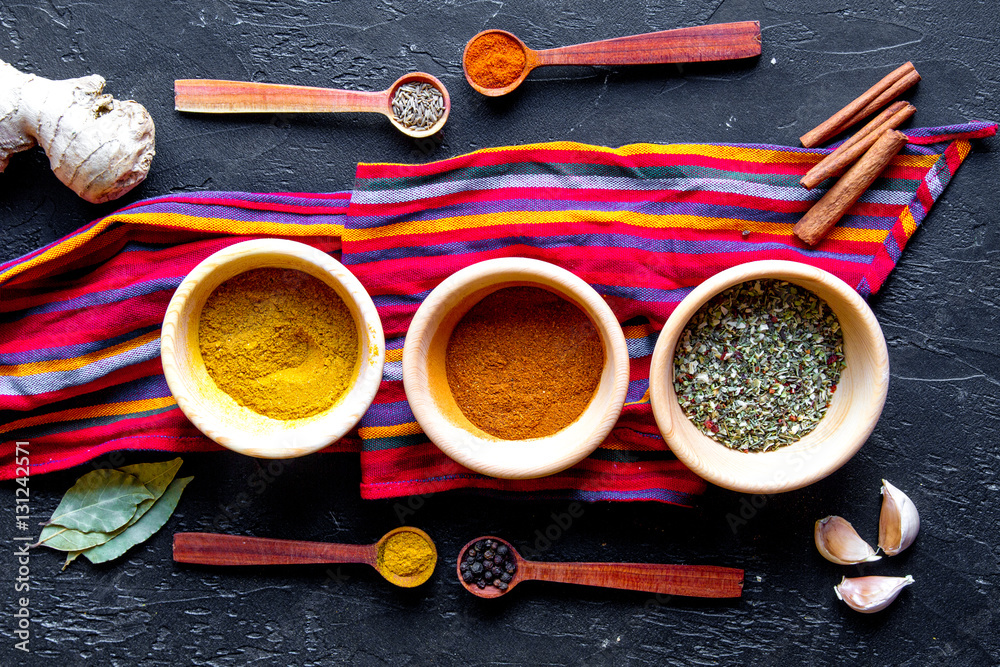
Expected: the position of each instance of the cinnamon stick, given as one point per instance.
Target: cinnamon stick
(825, 213)
(868, 103)
(839, 160)
(892, 93)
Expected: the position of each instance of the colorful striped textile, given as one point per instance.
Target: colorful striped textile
(80, 371)
(79, 319)
(643, 224)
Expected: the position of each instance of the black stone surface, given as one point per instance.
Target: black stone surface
(940, 311)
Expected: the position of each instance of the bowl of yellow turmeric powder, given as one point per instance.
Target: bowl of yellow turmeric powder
(272, 348)
(515, 368)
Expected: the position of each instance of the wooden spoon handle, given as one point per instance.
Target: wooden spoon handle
(214, 549)
(215, 96)
(718, 41)
(704, 581)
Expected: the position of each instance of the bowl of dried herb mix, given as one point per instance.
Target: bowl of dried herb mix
(769, 376)
(515, 368)
(272, 348)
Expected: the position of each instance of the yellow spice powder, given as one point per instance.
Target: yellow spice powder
(406, 554)
(279, 342)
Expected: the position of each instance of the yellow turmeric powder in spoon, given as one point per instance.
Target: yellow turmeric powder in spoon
(279, 341)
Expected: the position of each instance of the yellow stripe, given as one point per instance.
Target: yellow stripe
(396, 430)
(636, 331)
(709, 150)
(104, 410)
(37, 367)
(909, 225)
(173, 220)
(228, 226)
(393, 355)
(484, 220)
(963, 146)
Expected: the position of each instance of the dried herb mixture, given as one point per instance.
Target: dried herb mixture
(756, 367)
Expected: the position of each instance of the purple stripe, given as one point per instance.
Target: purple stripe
(641, 347)
(101, 298)
(305, 218)
(340, 199)
(864, 289)
(971, 127)
(45, 382)
(663, 296)
(71, 351)
(636, 390)
(388, 414)
(892, 248)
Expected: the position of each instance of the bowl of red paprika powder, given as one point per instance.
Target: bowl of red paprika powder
(272, 348)
(515, 368)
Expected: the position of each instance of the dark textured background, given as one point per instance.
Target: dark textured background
(939, 309)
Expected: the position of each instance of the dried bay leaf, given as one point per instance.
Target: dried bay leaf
(142, 529)
(100, 501)
(156, 477)
(66, 539)
(70, 557)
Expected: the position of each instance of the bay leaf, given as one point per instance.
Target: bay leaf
(142, 529)
(102, 500)
(66, 539)
(156, 477)
(70, 557)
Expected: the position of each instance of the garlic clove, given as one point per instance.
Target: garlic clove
(839, 543)
(870, 594)
(899, 521)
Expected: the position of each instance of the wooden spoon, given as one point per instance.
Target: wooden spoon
(216, 549)
(215, 96)
(718, 41)
(704, 581)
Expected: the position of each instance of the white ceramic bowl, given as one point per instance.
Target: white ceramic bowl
(430, 398)
(850, 419)
(214, 412)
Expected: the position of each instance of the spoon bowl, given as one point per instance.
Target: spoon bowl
(530, 63)
(490, 591)
(418, 77)
(217, 96)
(216, 549)
(409, 579)
(705, 581)
(719, 41)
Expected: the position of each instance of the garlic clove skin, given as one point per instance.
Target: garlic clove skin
(838, 542)
(870, 594)
(899, 521)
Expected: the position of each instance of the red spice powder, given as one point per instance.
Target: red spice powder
(494, 60)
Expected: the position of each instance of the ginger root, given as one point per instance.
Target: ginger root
(98, 146)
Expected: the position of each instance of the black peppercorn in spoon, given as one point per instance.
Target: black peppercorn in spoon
(489, 567)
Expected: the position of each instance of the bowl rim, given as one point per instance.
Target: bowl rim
(301, 437)
(795, 465)
(513, 459)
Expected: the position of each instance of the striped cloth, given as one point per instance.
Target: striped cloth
(643, 224)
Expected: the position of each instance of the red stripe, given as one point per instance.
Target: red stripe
(390, 391)
(63, 328)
